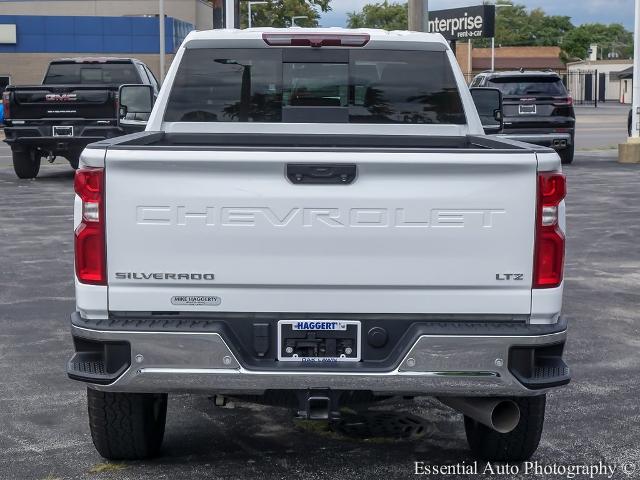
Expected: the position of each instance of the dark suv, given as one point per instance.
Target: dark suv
(537, 108)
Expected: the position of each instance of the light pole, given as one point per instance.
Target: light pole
(162, 40)
(297, 17)
(493, 54)
(250, 18)
(230, 13)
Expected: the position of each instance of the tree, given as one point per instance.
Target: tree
(549, 30)
(385, 15)
(278, 13)
(611, 39)
(516, 26)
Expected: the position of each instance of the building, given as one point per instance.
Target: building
(509, 58)
(33, 32)
(625, 77)
(609, 78)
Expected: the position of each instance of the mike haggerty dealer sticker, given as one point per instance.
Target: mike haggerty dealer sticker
(196, 301)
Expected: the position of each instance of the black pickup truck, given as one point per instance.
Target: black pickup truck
(77, 104)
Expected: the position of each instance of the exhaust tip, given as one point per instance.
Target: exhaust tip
(501, 415)
(505, 416)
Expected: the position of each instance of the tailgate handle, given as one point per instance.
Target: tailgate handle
(321, 174)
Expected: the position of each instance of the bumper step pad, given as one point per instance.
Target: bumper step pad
(541, 367)
(97, 362)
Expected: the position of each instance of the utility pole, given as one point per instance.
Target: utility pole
(419, 15)
(425, 15)
(163, 48)
(416, 15)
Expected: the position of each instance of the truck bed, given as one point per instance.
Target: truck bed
(193, 141)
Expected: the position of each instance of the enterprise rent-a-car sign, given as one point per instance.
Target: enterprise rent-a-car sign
(464, 23)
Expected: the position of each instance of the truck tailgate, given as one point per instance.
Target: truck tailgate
(226, 230)
(60, 102)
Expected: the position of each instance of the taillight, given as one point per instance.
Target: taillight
(90, 235)
(563, 101)
(550, 241)
(6, 105)
(315, 40)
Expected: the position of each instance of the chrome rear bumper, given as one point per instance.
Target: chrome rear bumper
(436, 365)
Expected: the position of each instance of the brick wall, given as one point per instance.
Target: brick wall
(511, 58)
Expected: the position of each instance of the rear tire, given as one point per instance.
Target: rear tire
(26, 163)
(127, 426)
(567, 155)
(516, 446)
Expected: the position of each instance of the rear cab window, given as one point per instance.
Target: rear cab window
(529, 85)
(349, 86)
(77, 73)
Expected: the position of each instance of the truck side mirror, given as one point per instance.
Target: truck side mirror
(489, 104)
(136, 104)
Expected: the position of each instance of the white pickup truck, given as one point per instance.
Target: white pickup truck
(313, 219)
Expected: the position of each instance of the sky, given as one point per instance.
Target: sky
(581, 11)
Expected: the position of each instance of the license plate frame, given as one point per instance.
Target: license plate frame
(352, 331)
(528, 109)
(63, 131)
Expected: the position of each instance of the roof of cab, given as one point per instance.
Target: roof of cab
(524, 73)
(375, 34)
(95, 60)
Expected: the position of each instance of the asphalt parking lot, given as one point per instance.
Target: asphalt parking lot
(601, 128)
(43, 424)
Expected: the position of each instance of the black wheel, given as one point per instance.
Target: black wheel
(26, 163)
(127, 426)
(567, 155)
(516, 446)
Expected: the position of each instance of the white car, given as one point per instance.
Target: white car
(314, 218)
